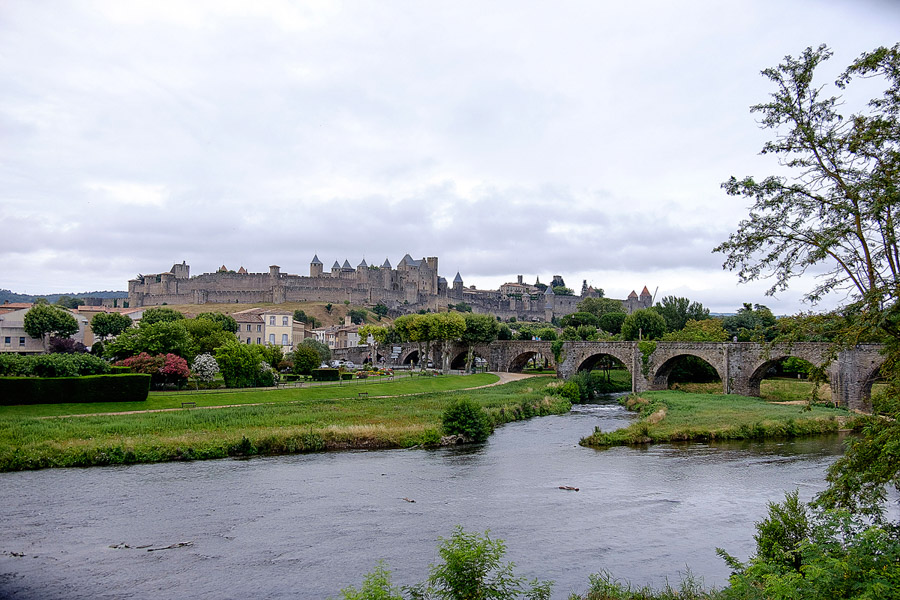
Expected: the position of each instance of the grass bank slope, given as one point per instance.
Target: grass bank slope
(317, 419)
(670, 416)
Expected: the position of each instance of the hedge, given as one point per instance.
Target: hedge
(325, 375)
(132, 387)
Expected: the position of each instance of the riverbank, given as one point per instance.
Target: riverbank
(289, 421)
(676, 416)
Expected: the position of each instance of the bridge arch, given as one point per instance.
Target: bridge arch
(662, 373)
(518, 362)
(411, 357)
(458, 358)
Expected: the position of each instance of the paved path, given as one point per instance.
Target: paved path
(504, 378)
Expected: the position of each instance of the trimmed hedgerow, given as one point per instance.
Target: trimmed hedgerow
(131, 387)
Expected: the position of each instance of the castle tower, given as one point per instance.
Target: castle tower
(646, 299)
(316, 267)
(458, 286)
(335, 269)
(549, 301)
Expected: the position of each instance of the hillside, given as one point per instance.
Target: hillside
(10, 296)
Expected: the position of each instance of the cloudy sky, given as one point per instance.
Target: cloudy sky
(581, 138)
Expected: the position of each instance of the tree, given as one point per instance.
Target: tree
(561, 290)
(444, 328)
(835, 215)
(380, 309)
(837, 212)
(480, 329)
(599, 306)
(69, 302)
(644, 323)
(320, 347)
(242, 365)
(612, 322)
(752, 323)
(109, 324)
(357, 315)
(678, 311)
(580, 318)
(227, 322)
(707, 330)
(379, 335)
(207, 334)
(160, 314)
(305, 360)
(164, 337)
(204, 368)
(42, 320)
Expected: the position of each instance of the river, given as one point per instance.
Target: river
(305, 526)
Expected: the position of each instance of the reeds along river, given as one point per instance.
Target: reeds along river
(306, 526)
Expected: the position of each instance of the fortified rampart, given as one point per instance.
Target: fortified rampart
(412, 286)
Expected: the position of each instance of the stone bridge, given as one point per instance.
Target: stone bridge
(741, 366)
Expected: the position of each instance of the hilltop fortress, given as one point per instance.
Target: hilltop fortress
(412, 286)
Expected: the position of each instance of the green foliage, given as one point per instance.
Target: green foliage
(836, 214)
(329, 307)
(357, 315)
(612, 322)
(561, 290)
(51, 365)
(240, 364)
(678, 311)
(380, 309)
(69, 302)
(227, 322)
(504, 332)
(161, 337)
(472, 569)
(599, 306)
(591, 384)
(43, 319)
(207, 334)
(320, 347)
(160, 315)
(109, 324)
(644, 323)
(88, 388)
(326, 375)
(580, 318)
(466, 417)
(570, 390)
(752, 323)
(376, 586)
(829, 554)
(480, 329)
(305, 360)
(707, 330)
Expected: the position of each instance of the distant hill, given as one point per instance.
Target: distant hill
(10, 296)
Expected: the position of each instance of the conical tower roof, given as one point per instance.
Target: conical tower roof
(346, 264)
(315, 260)
(387, 264)
(362, 264)
(457, 279)
(335, 266)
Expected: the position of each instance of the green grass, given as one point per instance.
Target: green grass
(673, 415)
(226, 397)
(305, 420)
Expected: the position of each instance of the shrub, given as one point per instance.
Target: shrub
(64, 345)
(306, 359)
(205, 368)
(325, 375)
(466, 417)
(90, 388)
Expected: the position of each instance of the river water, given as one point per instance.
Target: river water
(305, 526)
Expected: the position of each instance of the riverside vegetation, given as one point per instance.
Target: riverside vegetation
(288, 421)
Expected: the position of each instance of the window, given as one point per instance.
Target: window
(284, 320)
(248, 339)
(248, 326)
(259, 328)
(7, 340)
(284, 340)
(272, 338)
(259, 340)
(21, 341)
(271, 320)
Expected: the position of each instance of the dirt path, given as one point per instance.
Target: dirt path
(504, 378)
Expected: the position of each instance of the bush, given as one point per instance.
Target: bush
(326, 375)
(465, 417)
(90, 388)
(305, 360)
(64, 345)
(205, 368)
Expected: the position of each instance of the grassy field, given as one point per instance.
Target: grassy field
(227, 397)
(674, 415)
(301, 420)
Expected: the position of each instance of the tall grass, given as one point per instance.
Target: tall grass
(311, 423)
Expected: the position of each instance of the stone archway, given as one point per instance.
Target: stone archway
(517, 364)
(411, 358)
(660, 380)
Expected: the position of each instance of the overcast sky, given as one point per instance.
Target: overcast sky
(581, 138)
